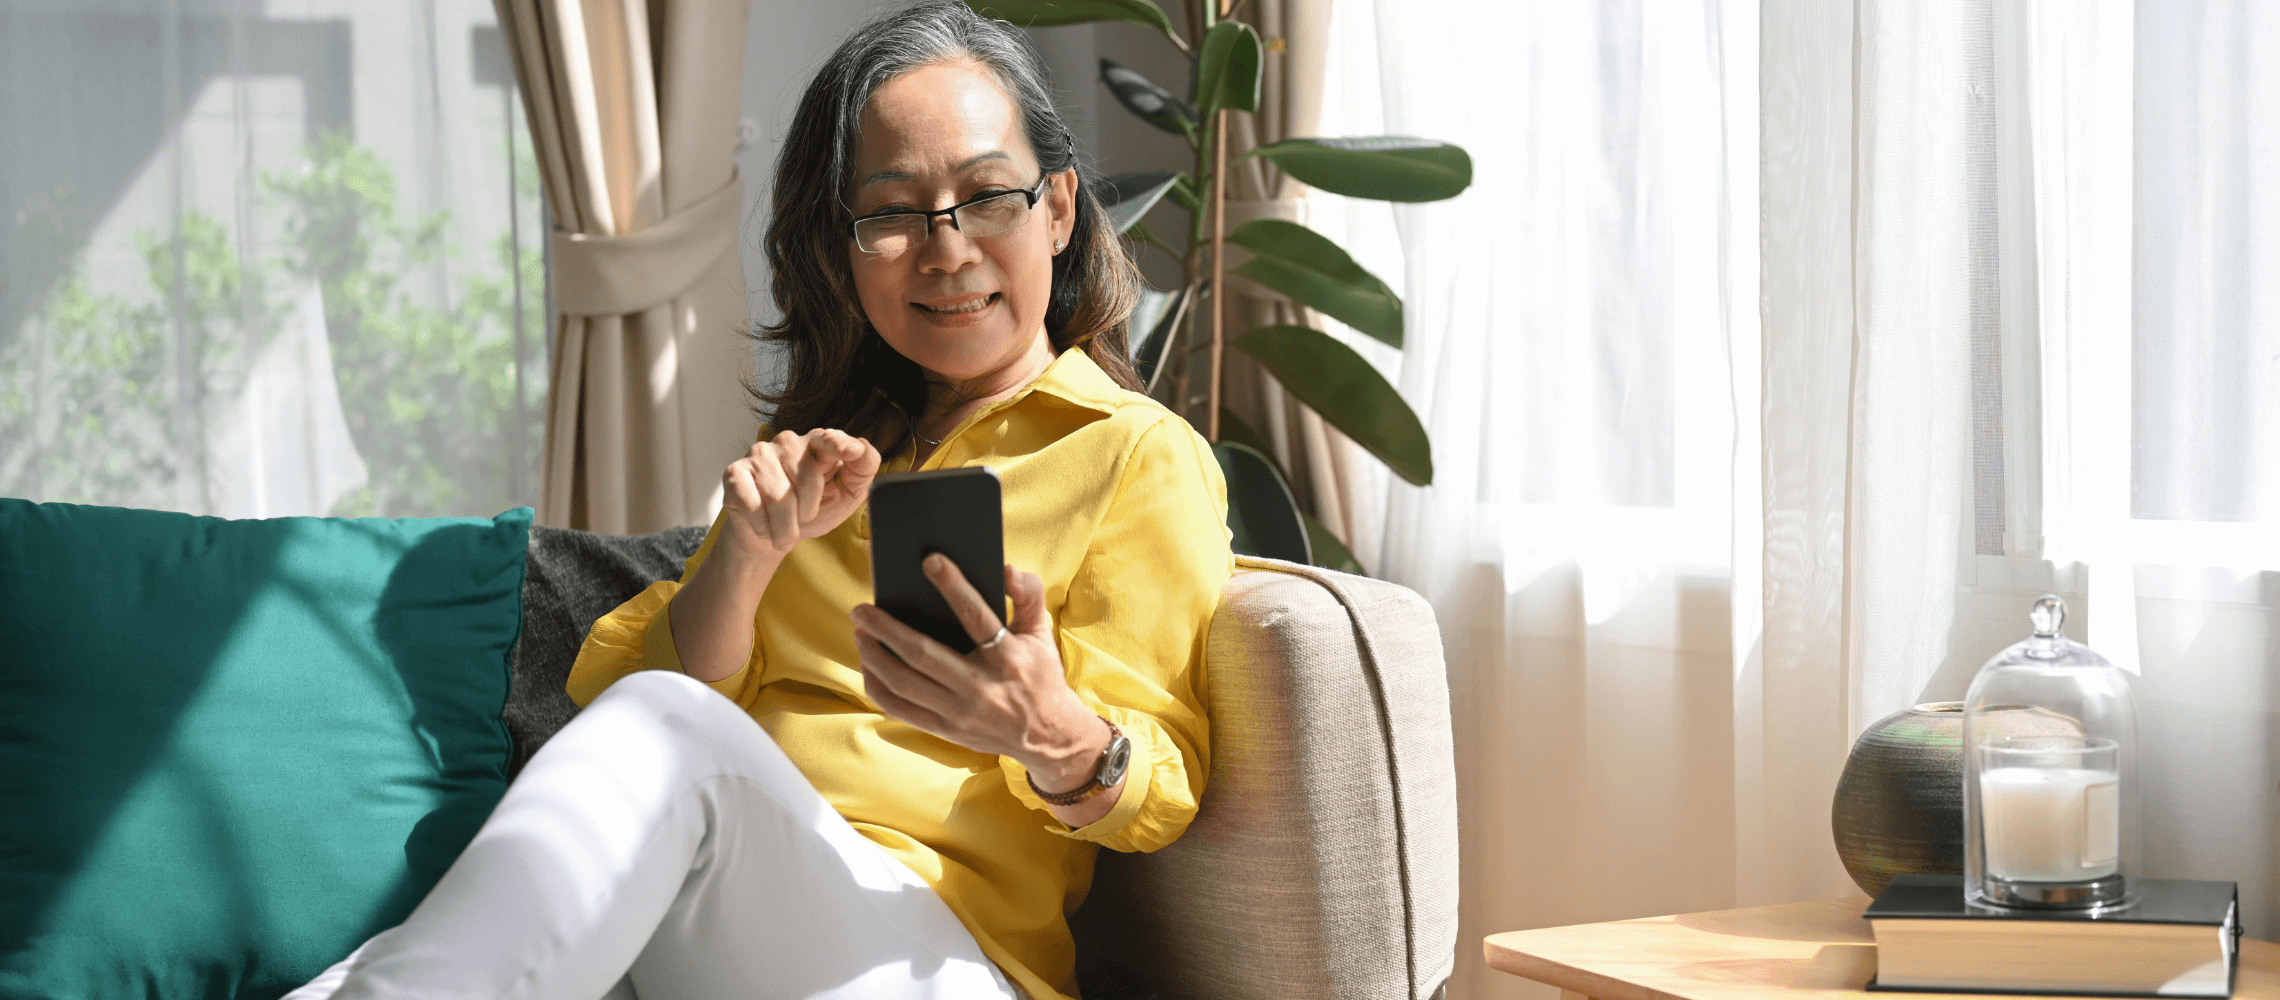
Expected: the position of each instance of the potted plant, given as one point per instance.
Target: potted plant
(1171, 338)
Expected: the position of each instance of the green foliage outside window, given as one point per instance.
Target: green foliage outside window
(97, 405)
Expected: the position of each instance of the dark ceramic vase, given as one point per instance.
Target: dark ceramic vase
(1899, 805)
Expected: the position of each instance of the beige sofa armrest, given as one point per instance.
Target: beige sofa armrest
(1323, 862)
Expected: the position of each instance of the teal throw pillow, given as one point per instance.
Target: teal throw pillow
(230, 751)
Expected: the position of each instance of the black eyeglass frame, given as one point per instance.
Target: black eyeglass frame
(1034, 193)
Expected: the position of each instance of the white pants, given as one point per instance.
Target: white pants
(663, 845)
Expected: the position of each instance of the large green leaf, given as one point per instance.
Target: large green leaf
(1227, 70)
(1053, 13)
(1127, 197)
(1346, 391)
(1149, 331)
(1187, 194)
(1306, 266)
(1148, 102)
(1384, 167)
(1261, 514)
(1324, 548)
(1329, 552)
(1236, 429)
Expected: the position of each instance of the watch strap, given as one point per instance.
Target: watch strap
(1092, 785)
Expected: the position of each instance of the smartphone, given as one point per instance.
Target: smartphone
(957, 512)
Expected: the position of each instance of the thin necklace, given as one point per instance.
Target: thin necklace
(930, 442)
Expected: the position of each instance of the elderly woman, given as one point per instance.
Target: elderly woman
(779, 790)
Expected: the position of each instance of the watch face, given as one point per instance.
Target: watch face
(1119, 758)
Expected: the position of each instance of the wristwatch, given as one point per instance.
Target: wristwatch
(1106, 774)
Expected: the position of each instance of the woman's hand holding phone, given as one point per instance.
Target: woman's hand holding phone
(793, 487)
(1011, 698)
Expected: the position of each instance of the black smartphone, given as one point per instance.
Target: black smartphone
(957, 512)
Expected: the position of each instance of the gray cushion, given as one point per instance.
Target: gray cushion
(1323, 862)
(571, 579)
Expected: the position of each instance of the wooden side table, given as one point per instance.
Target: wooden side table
(1796, 951)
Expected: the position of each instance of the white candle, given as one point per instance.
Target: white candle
(2050, 824)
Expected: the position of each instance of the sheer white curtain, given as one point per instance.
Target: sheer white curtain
(2066, 375)
(1782, 352)
(2160, 335)
(260, 259)
(1583, 344)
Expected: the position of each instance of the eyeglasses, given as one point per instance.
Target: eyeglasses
(902, 228)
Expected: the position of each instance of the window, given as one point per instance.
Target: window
(257, 264)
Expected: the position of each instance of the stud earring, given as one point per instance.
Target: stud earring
(1056, 246)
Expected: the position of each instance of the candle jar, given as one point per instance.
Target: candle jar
(2050, 820)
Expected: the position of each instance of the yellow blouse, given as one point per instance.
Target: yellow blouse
(1118, 505)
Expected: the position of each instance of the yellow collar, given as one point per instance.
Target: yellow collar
(1073, 378)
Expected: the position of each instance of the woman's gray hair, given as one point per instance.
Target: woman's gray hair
(838, 371)
(897, 42)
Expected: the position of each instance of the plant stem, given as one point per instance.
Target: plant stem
(1180, 383)
(1218, 271)
(1191, 265)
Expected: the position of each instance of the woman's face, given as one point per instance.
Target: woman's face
(960, 306)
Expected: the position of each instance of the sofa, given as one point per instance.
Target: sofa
(1322, 862)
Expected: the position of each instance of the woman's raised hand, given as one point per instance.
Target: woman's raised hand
(795, 486)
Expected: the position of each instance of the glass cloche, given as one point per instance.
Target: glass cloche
(2050, 775)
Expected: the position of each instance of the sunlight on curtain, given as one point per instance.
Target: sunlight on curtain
(1581, 344)
(267, 259)
(2161, 400)
(2066, 372)
(1714, 499)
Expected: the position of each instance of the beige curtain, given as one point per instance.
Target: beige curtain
(633, 110)
(1317, 457)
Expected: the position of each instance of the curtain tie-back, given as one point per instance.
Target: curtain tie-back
(618, 275)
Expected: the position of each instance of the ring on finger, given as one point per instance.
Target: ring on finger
(993, 640)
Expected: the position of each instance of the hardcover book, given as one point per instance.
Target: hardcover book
(2179, 940)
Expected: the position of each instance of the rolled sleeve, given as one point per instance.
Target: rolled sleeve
(1116, 827)
(1132, 631)
(638, 635)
